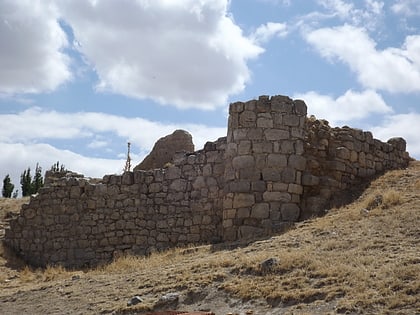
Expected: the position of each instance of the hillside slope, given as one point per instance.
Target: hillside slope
(360, 259)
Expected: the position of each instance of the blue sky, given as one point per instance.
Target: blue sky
(79, 79)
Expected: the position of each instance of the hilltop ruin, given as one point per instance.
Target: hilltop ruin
(275, 167)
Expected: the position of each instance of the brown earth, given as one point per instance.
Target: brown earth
(359, 259)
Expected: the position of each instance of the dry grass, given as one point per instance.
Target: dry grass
(349, 261)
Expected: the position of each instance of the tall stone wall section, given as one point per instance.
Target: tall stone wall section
(78, 222)
(275, 167)
(264, 165)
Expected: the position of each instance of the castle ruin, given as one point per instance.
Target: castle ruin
(275, 167)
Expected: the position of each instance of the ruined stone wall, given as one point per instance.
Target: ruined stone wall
(339, 160)
(275, 167)
(77, 222)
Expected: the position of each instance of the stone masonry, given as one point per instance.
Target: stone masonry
(275, 167)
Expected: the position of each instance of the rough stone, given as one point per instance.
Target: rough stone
(165, 148)
(257, 180)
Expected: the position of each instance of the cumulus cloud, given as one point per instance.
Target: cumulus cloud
(392, 69)
(338, 7)
(188, 53)
(267, 31)
(368, 14)
(31, 54)
(406, 7)
(401, 125)
(346, 108)
(37, 125)
(17, 157)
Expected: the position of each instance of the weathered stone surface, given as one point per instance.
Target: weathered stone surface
(247, 119)
(260, 211)
(276, 196)
(290, 212)
(243, 161)
(275, 167)
(242, 200)
(165, 148)
(276, 134)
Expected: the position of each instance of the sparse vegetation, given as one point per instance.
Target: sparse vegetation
(31, 185)
(8, 187)
(348, 261)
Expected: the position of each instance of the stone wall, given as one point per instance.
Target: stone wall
(264, 165)
(276, 166)
(77, 222)
(340, 160)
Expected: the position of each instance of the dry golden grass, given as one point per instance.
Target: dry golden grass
(349, 261)
(11, 205)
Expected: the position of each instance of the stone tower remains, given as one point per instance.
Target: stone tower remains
(275, 167)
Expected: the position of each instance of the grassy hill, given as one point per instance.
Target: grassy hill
(359, 259)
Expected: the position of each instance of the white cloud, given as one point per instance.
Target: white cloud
(267, 31)
(367, 13)
(96, 144)
(277, 2)
(406, 7)
(346, 108)
(338, 7)
(16, 157)
(391, 69)
(31, 57)
(401, 125)
(188, 53)
(37, 125)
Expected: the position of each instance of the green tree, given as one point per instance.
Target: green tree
(58, 168)
(7, 187)
(38, 180)
(26, 182)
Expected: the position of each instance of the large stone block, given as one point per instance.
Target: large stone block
(236, 107)
(295, 189)
(276, 160)
(288, 175)
(300, 107)
(178, 185)
(271, 174)
(244, 147)
(263, 122)
(247, 119)
(243, 213)
(276, 134)
(262, 147)
(290, 212)
(240, 186)
(276, 196)
(291, 120)
(243, 200)
(243, 161)
(255, 134)
(260, 211)
(298, 162)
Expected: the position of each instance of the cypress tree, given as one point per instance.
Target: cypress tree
(38, 181)
(26, 182)
(7, 187)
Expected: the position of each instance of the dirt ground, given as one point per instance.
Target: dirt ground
(362, 258)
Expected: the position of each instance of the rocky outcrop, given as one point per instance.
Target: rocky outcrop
(165, 148)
